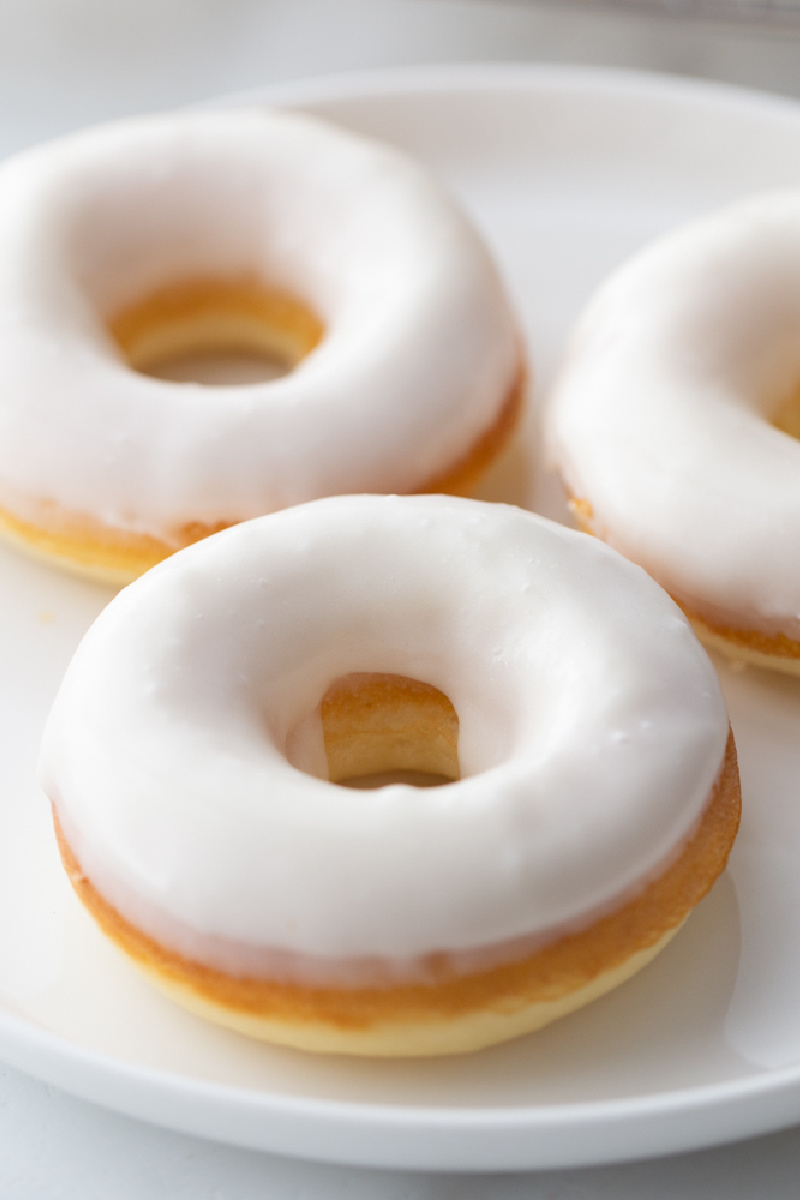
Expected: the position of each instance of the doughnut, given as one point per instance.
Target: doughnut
(241, 230)
(206, 755)
(675, 417)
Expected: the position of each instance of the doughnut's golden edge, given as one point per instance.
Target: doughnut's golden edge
(743, 647)
(748, 647)
(463, 476)
(86, 547)
(91, 550)
(455, 1013)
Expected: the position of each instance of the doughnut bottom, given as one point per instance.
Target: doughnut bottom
(776, 652)
(92, 550)
(371, 723)
(455, 1035)
(207, 315)
(747, 647)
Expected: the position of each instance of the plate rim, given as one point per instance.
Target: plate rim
(494, 75)
(409, 1137)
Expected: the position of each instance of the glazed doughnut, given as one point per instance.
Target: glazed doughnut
(590, 792)
(237, 229)
(671, 423)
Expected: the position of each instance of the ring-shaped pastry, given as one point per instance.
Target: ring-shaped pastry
(193, 750)
(672, 418)
(235, 229)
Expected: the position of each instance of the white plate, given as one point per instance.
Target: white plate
(566, 172)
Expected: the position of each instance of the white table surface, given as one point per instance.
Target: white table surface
(65, 63)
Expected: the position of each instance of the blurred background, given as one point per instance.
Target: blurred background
(64, 63)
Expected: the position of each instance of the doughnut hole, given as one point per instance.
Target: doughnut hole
(382, 728)
(216, 332)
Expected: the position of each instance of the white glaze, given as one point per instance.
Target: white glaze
(660, 417)
(591, 731)
(420, 352)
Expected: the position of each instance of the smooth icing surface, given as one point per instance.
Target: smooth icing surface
(420, 345)
(184, 751)
(661, 417)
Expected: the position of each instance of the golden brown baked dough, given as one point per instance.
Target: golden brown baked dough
(451, 1012)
